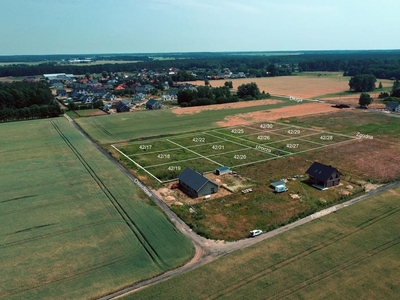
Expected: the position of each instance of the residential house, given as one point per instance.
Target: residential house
(109, 97)
(123, 106)
(393, 106)
(153, 104)
(323, 176)
(195, 184)
(61, 93)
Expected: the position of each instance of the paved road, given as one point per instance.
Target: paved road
(208, 250)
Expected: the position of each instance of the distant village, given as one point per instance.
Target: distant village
(116, 93)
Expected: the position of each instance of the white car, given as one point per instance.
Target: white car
(255, 232)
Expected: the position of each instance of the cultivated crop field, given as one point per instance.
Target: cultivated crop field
(73, 226)
(164, 158)
(353, 253)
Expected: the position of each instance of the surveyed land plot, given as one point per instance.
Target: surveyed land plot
(164, 158)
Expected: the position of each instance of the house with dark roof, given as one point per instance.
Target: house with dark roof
(195, 184)
(61, 93)
(323, 176)
(393, 106)
(153, 104)
(123, 106)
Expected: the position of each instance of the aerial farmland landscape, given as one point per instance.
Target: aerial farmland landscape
(199, 150)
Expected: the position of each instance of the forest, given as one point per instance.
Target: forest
(383, 64)
(25, 101)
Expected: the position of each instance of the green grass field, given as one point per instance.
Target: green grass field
(130, 126)
(353, 253)
(235, 146)
(73, 226)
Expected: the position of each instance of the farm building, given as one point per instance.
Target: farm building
(153, 104)
(323, 176)
(195, 184)
(223, 170)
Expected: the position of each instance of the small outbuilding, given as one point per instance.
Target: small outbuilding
(323, 176)
(194, 184)
(223, 170)
(153, 104)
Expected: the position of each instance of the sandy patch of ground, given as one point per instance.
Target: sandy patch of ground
(197, 109)
(275, 114)
(177, 197)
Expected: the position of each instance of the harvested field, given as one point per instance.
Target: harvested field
(296, 86)
(236, 105)
(278, 113)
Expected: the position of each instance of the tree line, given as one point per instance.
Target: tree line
(206, 95)
(23, 100)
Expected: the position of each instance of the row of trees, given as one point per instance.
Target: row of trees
(206, 95)
(22, 100)
(394, 96)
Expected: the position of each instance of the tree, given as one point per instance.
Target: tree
(365, 100)
(362, 83)
(229, 84)
(380, 85)
(248, 89)
(395, 89)
(104, 74)
(206, 82)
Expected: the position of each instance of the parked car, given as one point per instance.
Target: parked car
(255, 232)
(174, 186)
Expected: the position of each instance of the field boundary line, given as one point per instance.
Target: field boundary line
(119, 151)
(194, 152)
(249, 147)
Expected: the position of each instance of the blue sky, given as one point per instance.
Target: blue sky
(140, 26)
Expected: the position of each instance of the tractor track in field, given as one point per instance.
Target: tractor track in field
(114, 201)
(209, 250)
